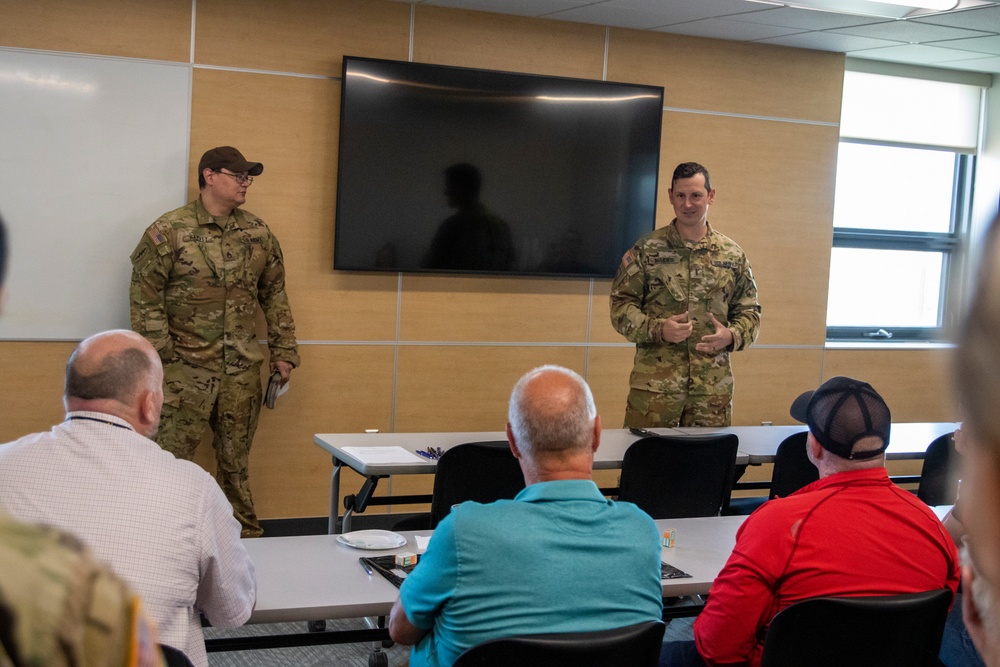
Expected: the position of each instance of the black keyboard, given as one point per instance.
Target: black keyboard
(668, 571)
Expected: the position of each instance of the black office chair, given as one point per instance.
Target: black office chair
(939, 474)
(679, 476)
(884, 631)
(479, 471)
(634, 645)
(173, 657)
(792, 467)
(792, 470)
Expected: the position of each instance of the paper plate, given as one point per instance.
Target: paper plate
(372, 539)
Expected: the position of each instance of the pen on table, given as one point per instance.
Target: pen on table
(368, 568)
(424, 454)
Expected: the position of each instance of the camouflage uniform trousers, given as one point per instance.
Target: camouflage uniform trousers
(194, 397)
(61, 607)
(650, 409)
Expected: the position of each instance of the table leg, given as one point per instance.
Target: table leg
(334, 496)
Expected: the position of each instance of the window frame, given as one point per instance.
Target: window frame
(948, 244)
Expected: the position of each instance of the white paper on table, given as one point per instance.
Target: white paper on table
(376, 455)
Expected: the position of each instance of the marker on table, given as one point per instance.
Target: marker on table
(365, 565)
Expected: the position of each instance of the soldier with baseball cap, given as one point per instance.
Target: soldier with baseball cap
(198, 275)
(851, 533)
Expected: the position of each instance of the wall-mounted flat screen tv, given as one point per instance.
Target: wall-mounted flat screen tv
(456, 170)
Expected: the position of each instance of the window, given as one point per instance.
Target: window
(905, 169)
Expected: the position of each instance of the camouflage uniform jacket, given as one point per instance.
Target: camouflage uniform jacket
(61, 607)
(196, 282)
(662, 275)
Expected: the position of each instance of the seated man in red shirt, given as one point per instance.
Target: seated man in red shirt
(851, 533)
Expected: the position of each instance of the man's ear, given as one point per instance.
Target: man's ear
(148, 412)
(511, 443)
(815, 448)
(597, 433)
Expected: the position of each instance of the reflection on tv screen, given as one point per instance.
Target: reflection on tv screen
(445, 169)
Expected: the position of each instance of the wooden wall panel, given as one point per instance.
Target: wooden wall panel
(601, 330)
(290, 125)
(303, 36)
(337, 389)
(732, 77)
(510, 43)
(769, 379)
(774, 197)
(608, 370)
(34, 376)
(914, 383)
(155, 30)
(457, 308)
(466, 388)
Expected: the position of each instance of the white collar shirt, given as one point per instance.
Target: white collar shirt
(162, 523)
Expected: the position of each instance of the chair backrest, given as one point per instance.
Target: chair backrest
(885, 631)
(634, 645)
(173, 657)
(792, 467)
(939, 474)
(672, 477)
(479, 471)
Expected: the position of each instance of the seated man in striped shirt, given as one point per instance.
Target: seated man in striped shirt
(162, 523)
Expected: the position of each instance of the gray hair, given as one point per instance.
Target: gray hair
(976, 369)
(119, 376)
(540, 427)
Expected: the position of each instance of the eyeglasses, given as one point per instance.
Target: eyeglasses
(242, 179)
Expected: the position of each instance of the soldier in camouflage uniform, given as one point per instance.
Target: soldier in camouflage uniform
(198, 274)
(685, 295)
(61, 607)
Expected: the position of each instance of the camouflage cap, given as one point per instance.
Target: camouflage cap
(229, 158)
(841, 412)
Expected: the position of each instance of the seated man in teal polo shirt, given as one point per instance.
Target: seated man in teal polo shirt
(560, 557)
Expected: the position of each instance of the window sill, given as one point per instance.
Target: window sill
(888, 345)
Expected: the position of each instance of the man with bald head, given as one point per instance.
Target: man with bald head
(162, 523)
(559, 557)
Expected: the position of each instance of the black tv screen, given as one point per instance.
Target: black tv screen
(455, 170)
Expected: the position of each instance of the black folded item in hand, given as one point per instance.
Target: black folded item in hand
(273, 387)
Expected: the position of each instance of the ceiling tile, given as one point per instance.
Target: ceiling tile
(804, 19)
(670, 12)
(976, 44)
(910, 32)
(829, 41)
(516, 7)
(979, 18)
(725, 29)
(917, 54)
(613, 16)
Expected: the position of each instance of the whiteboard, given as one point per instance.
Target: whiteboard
(92, 150)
